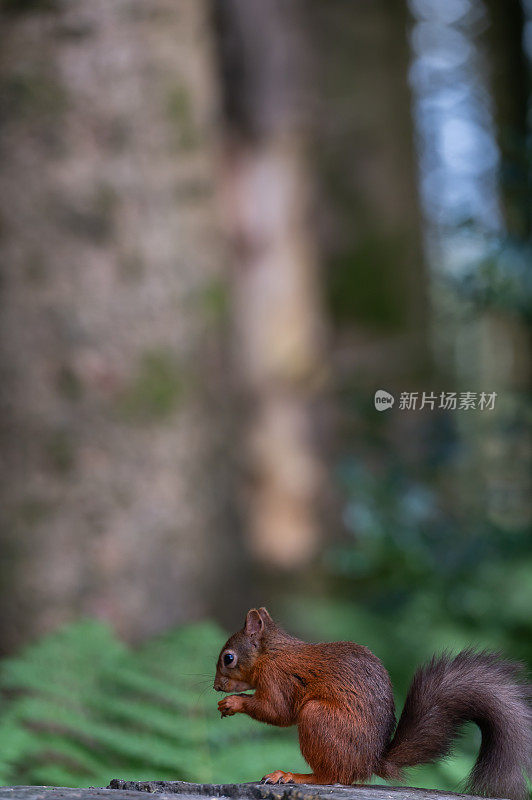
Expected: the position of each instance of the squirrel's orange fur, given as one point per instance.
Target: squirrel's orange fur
(340, 696)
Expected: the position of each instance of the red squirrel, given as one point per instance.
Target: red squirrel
(340, 696)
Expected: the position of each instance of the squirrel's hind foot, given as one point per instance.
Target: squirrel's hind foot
(289, 777)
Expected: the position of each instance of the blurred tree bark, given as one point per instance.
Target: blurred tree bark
(279, 325)
(509, 77)
(504, 443)
(506, 353)
(113, 317)
(371, 227)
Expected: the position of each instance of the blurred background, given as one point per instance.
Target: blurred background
(224, 225)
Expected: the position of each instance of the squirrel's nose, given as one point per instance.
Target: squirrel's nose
(217, 686)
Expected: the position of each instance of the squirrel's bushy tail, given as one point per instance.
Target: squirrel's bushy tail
(476, 686)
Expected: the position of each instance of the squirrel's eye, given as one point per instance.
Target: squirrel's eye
(229, 659)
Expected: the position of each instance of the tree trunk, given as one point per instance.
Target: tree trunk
(509, 76)
(504, 355)
(369, 223)
(112, 317)
(277, 312)
(370, 220)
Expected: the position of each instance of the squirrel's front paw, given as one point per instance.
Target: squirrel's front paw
(230, 705)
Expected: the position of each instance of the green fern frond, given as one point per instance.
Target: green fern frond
(80, 708)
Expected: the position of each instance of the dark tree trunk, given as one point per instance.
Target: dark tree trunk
(509, 76)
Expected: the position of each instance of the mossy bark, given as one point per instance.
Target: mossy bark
(113, 427)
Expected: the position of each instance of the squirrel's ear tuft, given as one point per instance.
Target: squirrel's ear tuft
(265, 616)
(254, 624)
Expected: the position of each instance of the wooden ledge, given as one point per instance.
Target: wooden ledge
(167, 790)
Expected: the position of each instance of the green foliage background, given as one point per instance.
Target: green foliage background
(79, 708)
(413, 576)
